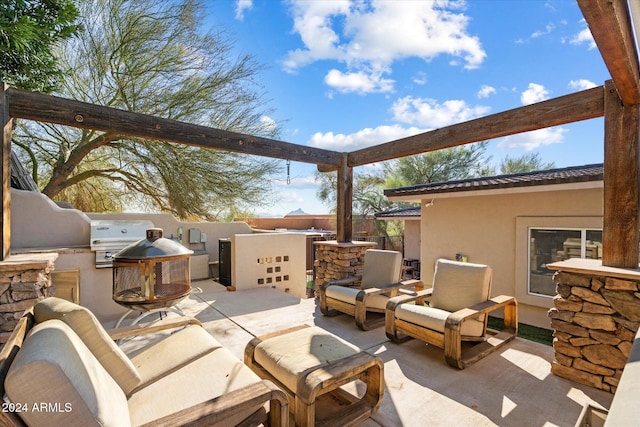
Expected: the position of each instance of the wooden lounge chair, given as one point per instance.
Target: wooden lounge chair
(60, 367)
(458, 309)
(356, 295)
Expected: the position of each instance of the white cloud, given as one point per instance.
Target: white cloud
(369, 35)
(290, 197)
(268, 122)
(534, 139)
(241, 7)
(361, 139)
(584, 37)
(428, 113)
(535, 93)
(581, 84)
(548, 30)
(420, 78)
(360, 82)
(485, 91)
(296, 181)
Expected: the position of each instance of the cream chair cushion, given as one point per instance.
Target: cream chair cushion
(381, 268)
(435, 319)
(458, 285)
(289, 356)
(208, 377)
(91, 332)
(54, 368)
(172, 353)
(348, 295)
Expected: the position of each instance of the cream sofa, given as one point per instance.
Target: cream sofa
(69, 371)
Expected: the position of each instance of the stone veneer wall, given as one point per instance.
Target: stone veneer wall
(595, 319)
(25, 279)
(335, 260)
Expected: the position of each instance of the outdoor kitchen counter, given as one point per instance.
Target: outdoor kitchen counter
(63, 251)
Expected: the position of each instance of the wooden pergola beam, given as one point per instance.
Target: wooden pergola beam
(5, 173)
(51, 109)
(344, 208)
(583, 105)
(621, 199)
(610, 25)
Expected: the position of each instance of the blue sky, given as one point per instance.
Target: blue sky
(347, 74)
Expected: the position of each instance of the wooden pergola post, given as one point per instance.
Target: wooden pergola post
(621, 221)
(344, 208)
(5, 171)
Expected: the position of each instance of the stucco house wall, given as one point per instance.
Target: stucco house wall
(493, 229)
(412, 238)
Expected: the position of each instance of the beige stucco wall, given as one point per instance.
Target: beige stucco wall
(412, 239)
(492, 229)
(269, 260)
(37, 222)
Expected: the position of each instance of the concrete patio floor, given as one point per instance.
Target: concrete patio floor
(511, 387)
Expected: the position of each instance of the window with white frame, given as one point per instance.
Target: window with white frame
(548, 245)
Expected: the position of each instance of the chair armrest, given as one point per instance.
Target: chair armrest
(214, 411)
(386, 288)
(484, 307)
(414, 296)
(151, 327)
(346, 281)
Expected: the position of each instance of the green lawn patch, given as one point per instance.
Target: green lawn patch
(528, 332)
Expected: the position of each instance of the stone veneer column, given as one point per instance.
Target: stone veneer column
(336, 260)
(25, 279)
(595, 319)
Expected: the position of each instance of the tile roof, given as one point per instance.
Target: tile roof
(399, 213)
(567, 175)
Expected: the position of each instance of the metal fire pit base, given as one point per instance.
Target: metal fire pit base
(173, 308)
(154, 307)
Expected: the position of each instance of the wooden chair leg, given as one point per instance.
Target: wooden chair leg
(453, 345)
(305, 413)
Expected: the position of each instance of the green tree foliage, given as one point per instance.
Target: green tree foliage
(467, 161)
(368, 197)
(29, 32)
(525, 163)
(151, 56)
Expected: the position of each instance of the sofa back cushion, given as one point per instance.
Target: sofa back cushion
(381, 268)
(91, 332)
(56, 380)
(458, 285)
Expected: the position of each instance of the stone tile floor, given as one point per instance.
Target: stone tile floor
(512, 387)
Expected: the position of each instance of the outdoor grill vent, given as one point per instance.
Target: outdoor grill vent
(151, 273)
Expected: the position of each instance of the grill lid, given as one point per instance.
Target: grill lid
(154, 246)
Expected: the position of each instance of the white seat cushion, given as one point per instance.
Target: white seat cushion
(458, 285)
(348, 295)
(435, 318)
(381, 268)
(173, 352)
(55, 367)
(287, 357)
(91, 332)
(208, 377)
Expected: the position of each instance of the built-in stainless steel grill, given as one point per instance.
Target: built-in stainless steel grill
(111, 236)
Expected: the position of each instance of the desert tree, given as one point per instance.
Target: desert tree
(154, 57)
(526, 163)
(30, 31)
(467, 161)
